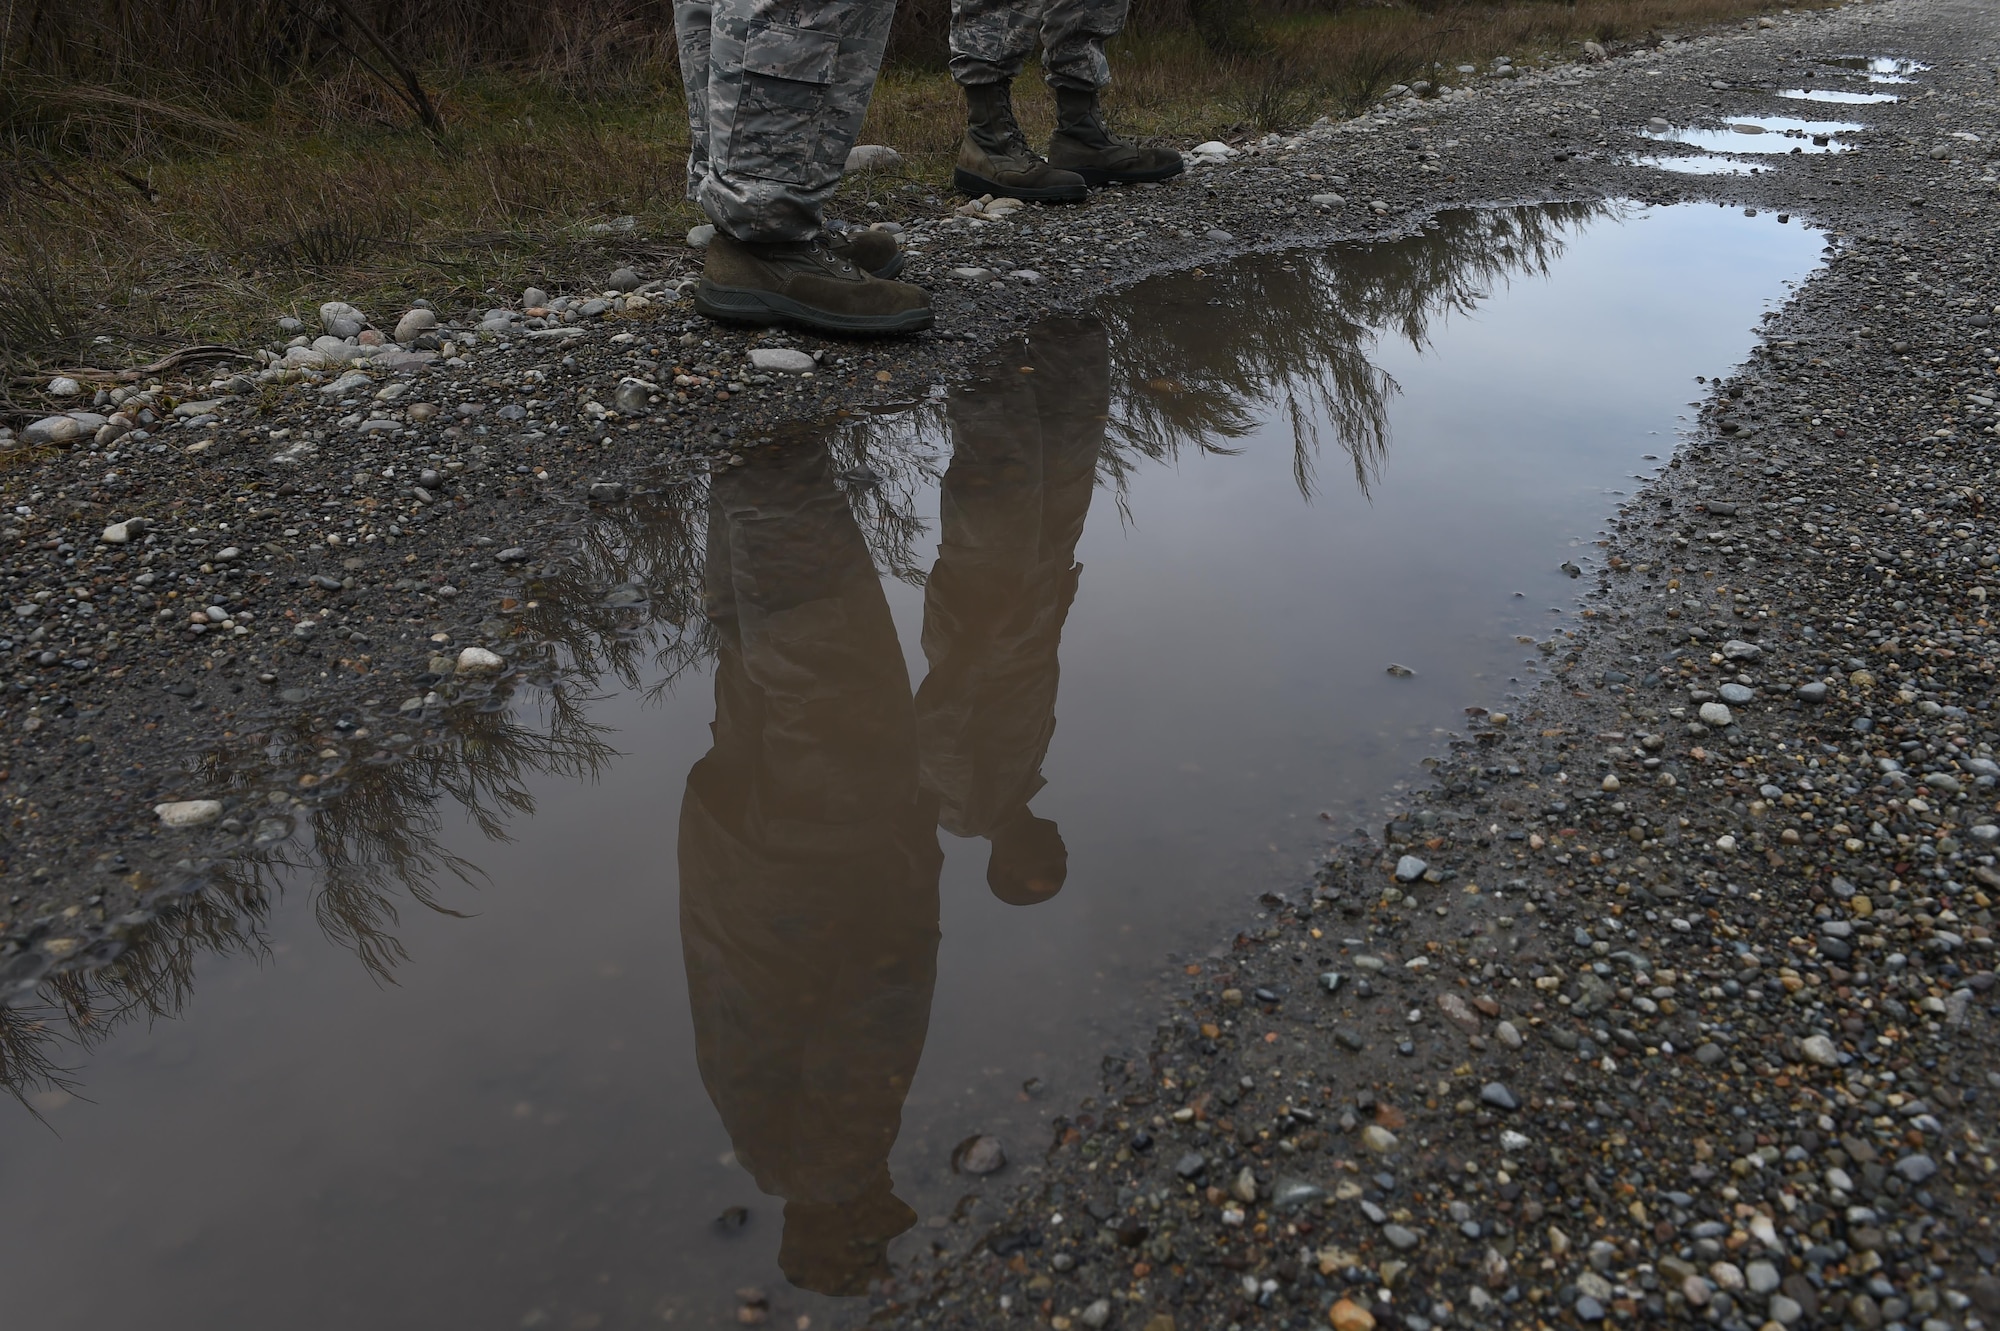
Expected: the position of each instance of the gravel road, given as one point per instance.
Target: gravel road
(1671, 997)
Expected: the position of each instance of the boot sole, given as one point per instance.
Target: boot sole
(1097, 177)
(966, 183)
(748, 305)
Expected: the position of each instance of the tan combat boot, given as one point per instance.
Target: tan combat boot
(1082, 144)
(995, 157)
(805, 284)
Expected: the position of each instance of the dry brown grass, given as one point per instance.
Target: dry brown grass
(141, 211)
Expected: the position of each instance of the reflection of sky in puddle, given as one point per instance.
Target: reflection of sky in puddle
(1881, 69)
(1699, 166)
(1845, 98)
(1762, 135)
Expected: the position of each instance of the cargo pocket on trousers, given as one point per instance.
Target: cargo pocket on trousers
(786, 74)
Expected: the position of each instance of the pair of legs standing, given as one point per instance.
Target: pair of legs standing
(777, 91)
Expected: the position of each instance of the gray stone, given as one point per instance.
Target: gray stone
(699, 236)
(873, 157)
(1813, 692)
(1410, 868)
(980, 1156)
(1916, 1168)
(1821, 1050)
(1715, 714)
(630, 398)
(622, 279)
(1219, 236)
(341, 320)
(1096, 1315)
(188, 813)
(534, 298)
(1400, 1237)
(781, 360)
(1785, 1309)
(1493, 1093)
(1736, 693)
(414, 324)
(1190, 1164)
(1587, 1308)
(51, 430)
(1290, 1193)
(593, 307)
(1738, 650)
(1326, 200)
(351, 382)
(1709, 1055)
(1760, 1277)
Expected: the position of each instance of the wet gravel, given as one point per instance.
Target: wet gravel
(1670, 998)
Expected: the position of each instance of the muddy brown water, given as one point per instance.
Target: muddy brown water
(883, 783)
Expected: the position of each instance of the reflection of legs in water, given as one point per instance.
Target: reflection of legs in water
(1024, 461)
(809, 867)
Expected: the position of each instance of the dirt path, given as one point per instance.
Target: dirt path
(1708, 1041)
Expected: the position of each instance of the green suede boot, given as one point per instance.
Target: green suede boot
(1082, 144)
(995, 157)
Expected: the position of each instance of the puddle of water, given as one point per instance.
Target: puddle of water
(1762, 134)
(1834, 95)
(1703, 165)
(1115, 616)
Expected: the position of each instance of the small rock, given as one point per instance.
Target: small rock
(1813, 692)
(341, 320)
(1347, 1315)
(1493, 1093)
(699, 236)
(1821, 1050)
(51, 430)
(1096, 1315)
(631, 396)
(1190, 1164)
(188, 813)
(287, 324)
(1760, 1277)
(1326, 200)
(1378, 1139)
(513, 554)
(534, 298)
(782, 360)
(622, 279)
(1594, 52)
(1400, 1237)
(478, 661)
(1219, 236)
(1410, 868)
(415, 324)
(1509, 1035)
(64, 386)
(1715, 714)
(1291, 1193)
(979, 1155)
(1916, 1168)
(1736, 693)
(873, 157)
(1783, 1308)
(118, 533)
(1244, 1186)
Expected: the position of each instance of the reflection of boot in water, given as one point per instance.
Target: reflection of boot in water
(1024, 461)
(809, 868)
(838, 1248)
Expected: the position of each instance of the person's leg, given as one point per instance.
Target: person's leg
(1073, 36)
(788, 86)
(990, 41)
(692, 19)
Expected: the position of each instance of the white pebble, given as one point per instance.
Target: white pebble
(188, 813)
(477, 660)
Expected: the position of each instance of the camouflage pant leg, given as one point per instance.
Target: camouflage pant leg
(692, 20)
(788, 87)
(992, 39)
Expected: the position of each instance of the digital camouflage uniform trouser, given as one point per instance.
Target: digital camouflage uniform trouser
(992, 39)
(776, 93)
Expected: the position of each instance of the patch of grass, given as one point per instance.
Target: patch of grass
(154, 214)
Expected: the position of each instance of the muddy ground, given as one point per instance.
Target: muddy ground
(1670, 1013)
